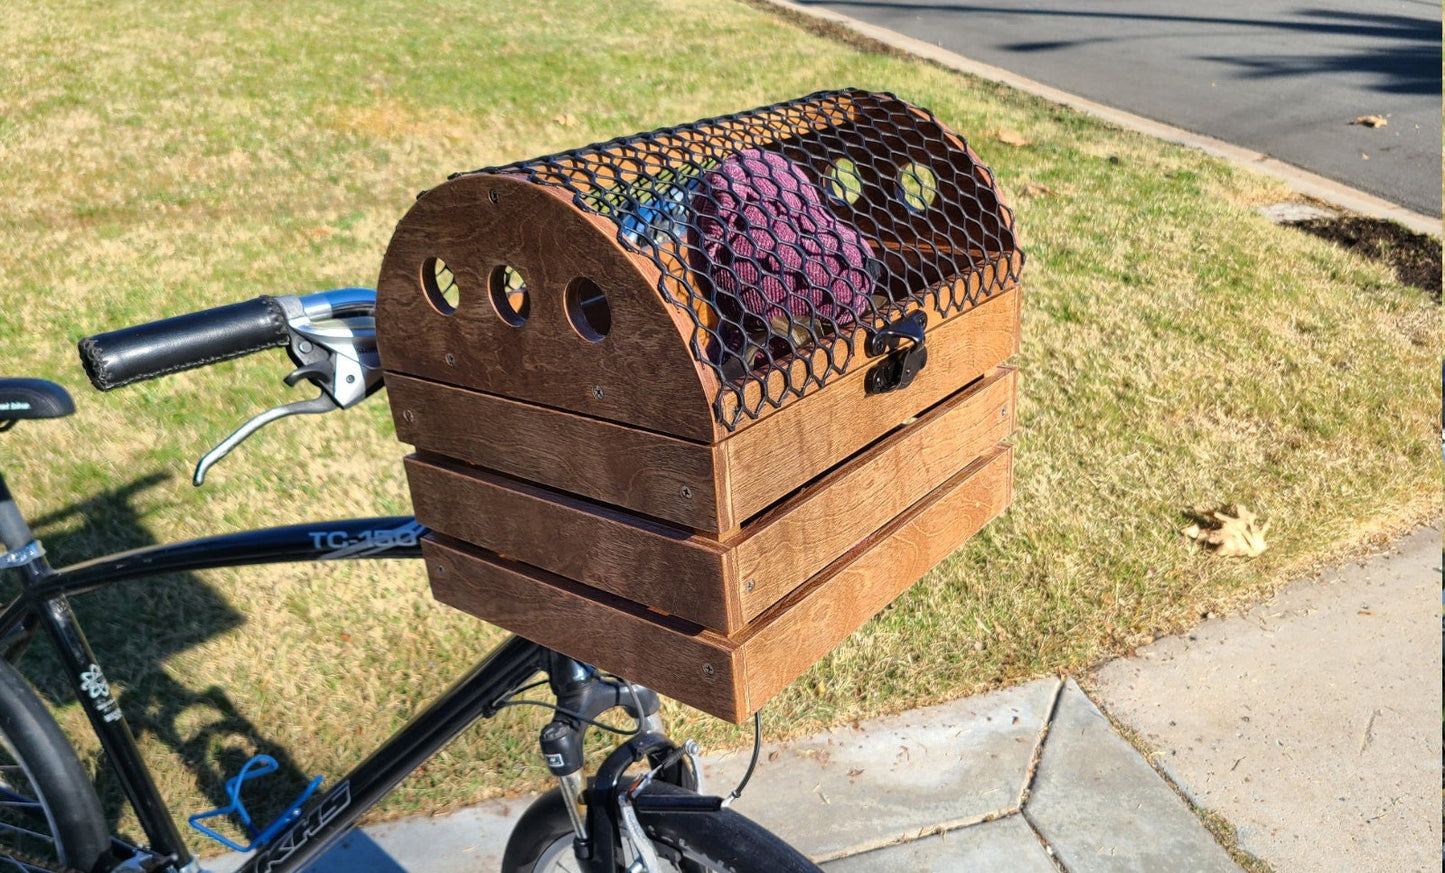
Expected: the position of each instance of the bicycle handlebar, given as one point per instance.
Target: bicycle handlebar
(330, 337)
(147, 351)
(197, 339)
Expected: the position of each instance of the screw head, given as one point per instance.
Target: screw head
(451, 359)
(708, 670)
(441, 569)
(304, 347)
(750, 584)
(1003, 412)
(597, 392)
(687, 492)
(408, 416)
(493, 196)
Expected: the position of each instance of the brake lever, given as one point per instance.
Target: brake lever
(314, 406)
(338, 358)
(333, 349)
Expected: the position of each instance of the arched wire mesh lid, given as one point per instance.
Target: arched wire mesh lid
(788, 231)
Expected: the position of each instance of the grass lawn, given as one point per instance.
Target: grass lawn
(1179, 353)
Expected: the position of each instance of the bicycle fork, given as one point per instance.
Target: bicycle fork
(581, 697)
(607, 811)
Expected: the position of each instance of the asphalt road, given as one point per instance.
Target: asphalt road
(1282, 78)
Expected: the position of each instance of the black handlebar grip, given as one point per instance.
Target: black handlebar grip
(146, 351)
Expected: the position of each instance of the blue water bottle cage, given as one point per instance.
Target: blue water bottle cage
(257, 766)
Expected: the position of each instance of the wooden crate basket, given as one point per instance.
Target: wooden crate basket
(702, 382)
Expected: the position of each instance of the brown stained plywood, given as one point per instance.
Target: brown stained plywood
(803, 535)
(650, 473)
(641, 372)
(785, 450)
(729, 677)
(669, 569)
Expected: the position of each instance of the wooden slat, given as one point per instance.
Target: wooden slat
(664, 567)
(729, 677)
(790, 447)
(796, 633)
(803, 535)
(721, 586)
(669, 655)
(650, 473)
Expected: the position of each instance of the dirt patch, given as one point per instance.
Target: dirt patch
(1415, 257)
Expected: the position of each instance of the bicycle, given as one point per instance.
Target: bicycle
(50, 816)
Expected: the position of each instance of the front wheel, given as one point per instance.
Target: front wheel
(49, 814)
(721, 841)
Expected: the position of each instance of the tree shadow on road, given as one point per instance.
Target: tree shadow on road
(1401, 52)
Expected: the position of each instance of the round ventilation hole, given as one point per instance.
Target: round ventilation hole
(588, 310)
(917, 187)
(509, 295)
(842, 181)
(440, 286)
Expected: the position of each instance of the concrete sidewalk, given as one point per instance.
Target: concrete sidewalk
(1311, 722)
(1307, 722)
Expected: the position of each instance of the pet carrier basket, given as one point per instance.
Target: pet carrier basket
(692, 405)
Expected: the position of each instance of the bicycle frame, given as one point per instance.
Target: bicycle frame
(43, 601)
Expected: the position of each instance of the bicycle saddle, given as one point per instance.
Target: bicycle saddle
(33, 398)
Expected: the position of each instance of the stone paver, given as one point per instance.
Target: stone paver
(840, 792)
(1006, 845)
(1103, 809)
(1310, 722)
(893, 778)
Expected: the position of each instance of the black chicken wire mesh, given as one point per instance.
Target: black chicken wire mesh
(784, 230)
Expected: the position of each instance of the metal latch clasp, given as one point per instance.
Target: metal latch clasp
(904, 341)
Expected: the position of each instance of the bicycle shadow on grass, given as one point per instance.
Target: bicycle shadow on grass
(134, 627)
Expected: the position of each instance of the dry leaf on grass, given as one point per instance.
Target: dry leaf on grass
(1371, 121)
(1230, 534)
(1013, 138)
